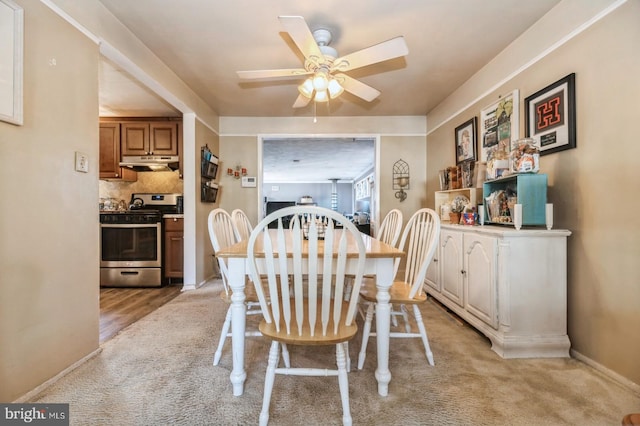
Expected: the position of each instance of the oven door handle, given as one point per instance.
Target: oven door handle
(131, 225)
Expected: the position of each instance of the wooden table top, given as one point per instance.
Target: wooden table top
(374, 248)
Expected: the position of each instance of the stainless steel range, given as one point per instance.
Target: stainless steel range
(131, 241)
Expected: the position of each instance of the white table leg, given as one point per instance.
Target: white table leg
(384, 279)
(238, 323)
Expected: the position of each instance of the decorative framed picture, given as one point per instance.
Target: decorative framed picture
(11, 56)
(466, 141)
(499, 125)
(551, 116)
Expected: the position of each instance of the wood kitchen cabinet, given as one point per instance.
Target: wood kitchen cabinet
(180, 151)
(510, 285)
(110, 155)
(173, 248)
(150, 138)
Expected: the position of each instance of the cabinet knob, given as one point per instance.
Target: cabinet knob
(462, 271)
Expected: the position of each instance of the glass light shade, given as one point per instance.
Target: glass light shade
(403, 181)
(306, 88)
(335, 89)
(321, 96)
(320, 82)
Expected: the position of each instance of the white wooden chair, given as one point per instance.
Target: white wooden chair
(242, 224)
(419, 240)
(223, 234)
(390, 228)
(315, 312)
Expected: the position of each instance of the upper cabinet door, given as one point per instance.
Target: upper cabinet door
(110, 156)
(135, 138)
(163, 138)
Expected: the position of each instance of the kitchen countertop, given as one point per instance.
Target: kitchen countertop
(173, 216)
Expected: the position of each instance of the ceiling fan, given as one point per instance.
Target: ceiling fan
(325, 70)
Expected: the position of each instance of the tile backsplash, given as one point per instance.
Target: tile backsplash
(160, 182)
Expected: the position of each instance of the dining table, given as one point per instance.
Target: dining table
(380, 259)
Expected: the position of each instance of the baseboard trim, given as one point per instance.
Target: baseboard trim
(622, 381)
(29, 395)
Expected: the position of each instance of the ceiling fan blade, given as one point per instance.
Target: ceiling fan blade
(301, 35)
(273, 74)
(384, 51)
(357, 87)
(301, 101)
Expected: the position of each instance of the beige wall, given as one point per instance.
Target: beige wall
(239, 151)
(49, 301)
(592, 187)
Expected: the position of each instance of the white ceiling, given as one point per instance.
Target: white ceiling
(206, 42)
(316, 159)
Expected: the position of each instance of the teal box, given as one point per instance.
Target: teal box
(529, 189)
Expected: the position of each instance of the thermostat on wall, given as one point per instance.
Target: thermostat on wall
(248, 182)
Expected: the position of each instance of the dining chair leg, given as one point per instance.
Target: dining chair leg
(223, 336)
(346, 351)
(365, 335)
(405, 317)
(394, 320)
(423, 334)
(268, 382)
(285, 355)
(343, 381)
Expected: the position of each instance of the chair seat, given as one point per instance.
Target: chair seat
(399, 293)
(344, 333)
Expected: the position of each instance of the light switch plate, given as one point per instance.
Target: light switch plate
(82, 162)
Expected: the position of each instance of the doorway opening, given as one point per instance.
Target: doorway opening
(323, 170)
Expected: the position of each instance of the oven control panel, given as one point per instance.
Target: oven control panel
(130, 218)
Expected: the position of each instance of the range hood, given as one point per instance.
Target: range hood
(151, 163)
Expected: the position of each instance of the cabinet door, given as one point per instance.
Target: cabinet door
(451, 265)
(110, 154)
(109, 150)
(180, 150)
(480, 277)
(135, 138)
(163, 138)
(432, 279)
(173, 248)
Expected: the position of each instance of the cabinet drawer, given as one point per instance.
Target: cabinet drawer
(174, 224)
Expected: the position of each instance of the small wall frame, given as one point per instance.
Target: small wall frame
(465, 136)
(11, 58)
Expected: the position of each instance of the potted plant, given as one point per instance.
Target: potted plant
(457, 207)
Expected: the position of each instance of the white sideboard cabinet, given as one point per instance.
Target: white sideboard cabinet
(510, 285)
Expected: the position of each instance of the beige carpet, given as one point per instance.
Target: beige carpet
(159, 371)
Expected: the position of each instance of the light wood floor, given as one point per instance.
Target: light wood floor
(120, 307)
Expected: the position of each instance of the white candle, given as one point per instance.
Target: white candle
(481, 213)
(517, 217)
(549, 215)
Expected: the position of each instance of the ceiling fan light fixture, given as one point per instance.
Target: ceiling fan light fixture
(321, 96)
(334, 88)
(306, 88)
(320, 81)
